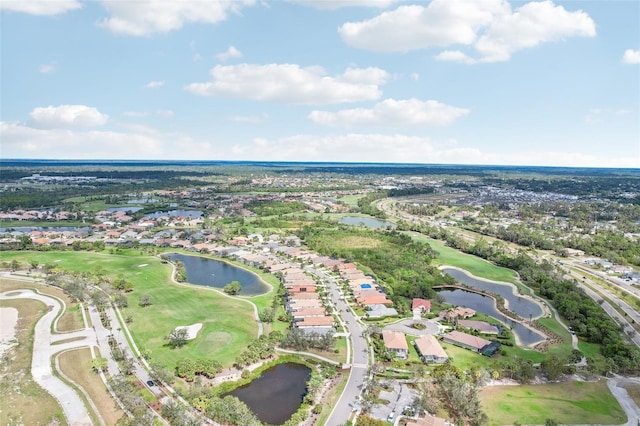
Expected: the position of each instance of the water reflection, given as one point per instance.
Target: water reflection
(277, 393)
(486, 305)
(214, 273)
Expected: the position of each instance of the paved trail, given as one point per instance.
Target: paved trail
(44, 349)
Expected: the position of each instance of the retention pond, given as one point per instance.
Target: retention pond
(277, 393)
(215, 273)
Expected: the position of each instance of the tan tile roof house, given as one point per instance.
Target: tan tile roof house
(396, 342)
(430, 350)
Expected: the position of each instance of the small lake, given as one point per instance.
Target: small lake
(369, 222)
(192, 214)
(486, 305)
(214, 273)
(124, 209)
(277, 393)
(524, 307)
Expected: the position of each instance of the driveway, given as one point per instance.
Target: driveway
(405, 326)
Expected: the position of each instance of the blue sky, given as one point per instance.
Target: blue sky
(443, 81)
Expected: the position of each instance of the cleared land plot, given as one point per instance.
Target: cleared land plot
(76, 365)
(22, 400)
(566, 403)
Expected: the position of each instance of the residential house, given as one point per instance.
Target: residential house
(467, 341)
(430, 350)
(396, 342)
(380, 311)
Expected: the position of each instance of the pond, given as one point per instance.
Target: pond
(524, 307)
(214, 273)
(486, 305)
(277, 393)
(192, 214)
(369, 222)
(131, 209)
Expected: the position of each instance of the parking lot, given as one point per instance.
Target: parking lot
(399, 396)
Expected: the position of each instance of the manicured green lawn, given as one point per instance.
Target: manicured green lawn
(473, 264)
(228, 323)
(566, 403)
(466, 359)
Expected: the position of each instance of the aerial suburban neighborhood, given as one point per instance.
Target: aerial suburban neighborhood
(386, 289)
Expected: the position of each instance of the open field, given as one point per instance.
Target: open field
(568, 403)
(71, 318)
(76, 365)
(634, 392)
(22, 400)
(473, 264)
(228, 323)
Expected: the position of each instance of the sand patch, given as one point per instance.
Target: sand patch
(192, 330)
(142, 265)
(9, 320)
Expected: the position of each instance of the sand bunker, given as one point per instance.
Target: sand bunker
(192, 330)
(9, 320)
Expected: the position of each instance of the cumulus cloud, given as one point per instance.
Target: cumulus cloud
(154, 84)
(146, 17)
(631, 56)
(20, 141)
(392, 113)
(230, 53)
(39, 7)
(338, 4)
(454, 56)
(530, 25)
(290, 83)
(67, 116)
(491, 27)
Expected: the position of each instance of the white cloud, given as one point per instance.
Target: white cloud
(489, 26)
(253, 119)
(405, 149)
(154, 84)
(338, 4)
(165, 113)
(145, 17)
(67, 116)
(40, 7)
(46, 69)
(530, 25)
(454, 56)
(289, 83)
(441, 23)
(392, 113)
(230, 53)
(631, 56)
(20, 141)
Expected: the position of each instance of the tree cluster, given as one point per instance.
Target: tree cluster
(188, 368)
